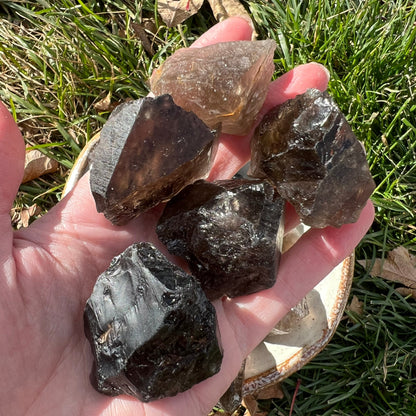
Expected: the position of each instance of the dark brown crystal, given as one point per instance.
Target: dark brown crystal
(149, 149)
(223, 83)
(152, 331)
(229, 231)
(307, 149)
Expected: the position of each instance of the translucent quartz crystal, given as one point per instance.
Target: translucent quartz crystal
(153, 332)
(149, 149)
(230, 232)
(307, 149)
(222, 83)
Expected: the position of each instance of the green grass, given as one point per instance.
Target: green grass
(369, 368)
(369, 48)
(58, 59)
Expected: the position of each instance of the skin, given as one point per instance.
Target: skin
(48, 271)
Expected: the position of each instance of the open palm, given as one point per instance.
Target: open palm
(47, 272)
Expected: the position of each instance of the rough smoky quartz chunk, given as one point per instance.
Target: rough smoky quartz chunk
(230, 232)
(153, 332)
(223, 83)
(307, 149)
(149, 149)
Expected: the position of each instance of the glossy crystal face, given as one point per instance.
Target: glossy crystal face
(229, 231)
(306, 148)
(153, 332)
(149, 150)
(225, 83)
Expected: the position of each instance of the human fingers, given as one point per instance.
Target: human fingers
(12, 156)
(233, 28)
(295, 82)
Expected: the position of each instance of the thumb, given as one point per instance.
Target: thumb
(12, 154)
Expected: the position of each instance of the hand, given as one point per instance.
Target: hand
(48, 271)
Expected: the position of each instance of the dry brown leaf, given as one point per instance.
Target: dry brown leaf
(105, 104)
(251, 405)
(21, 216)
(356, 306)
(149, 24)
(223, 9)
(37, 164)
(26, 214)
(384, 140)
(174, 12)
(273, 391)
(399, 266)
(405, 291)
(140, 32)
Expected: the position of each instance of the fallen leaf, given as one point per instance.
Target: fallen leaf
(38, 164)
(140, 32)
(356, 306)
(105, 104)
(224, 9)
(399, 266)
(273, 391)
(21, 216)
(405, 291)
(384, 140)
(27, 213)
(250, 402)
(174, 12)
(149, 24)
(251, 405)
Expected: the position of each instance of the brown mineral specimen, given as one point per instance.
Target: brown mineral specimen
(222, 83)
(148, 151)
(153, 332)
(307, 149)
(230, 232)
